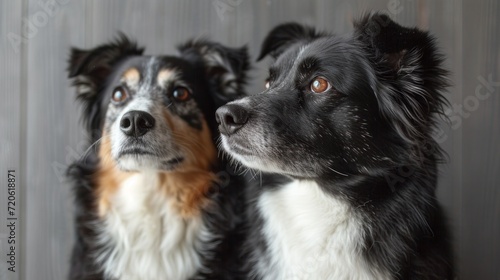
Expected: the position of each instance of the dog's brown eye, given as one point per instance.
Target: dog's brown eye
(181, 94)
(320, 85)
(267, 84)
(119, 95)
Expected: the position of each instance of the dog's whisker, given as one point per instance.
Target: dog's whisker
(86, 153)
(340, 173)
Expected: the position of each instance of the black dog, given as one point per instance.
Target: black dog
(348, 121)
(151, 199)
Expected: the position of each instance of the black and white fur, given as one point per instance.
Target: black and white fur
(349, 175)
(141, 235)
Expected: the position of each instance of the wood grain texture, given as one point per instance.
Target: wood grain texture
(479, 244)
(11, 56)
(37, 98)
(54, 137)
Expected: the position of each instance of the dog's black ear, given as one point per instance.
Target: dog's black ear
(390, 40)
(226, 68)
(283, 36)
(89, 70)
(410, 74)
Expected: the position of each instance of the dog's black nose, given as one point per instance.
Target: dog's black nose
(230, 118)
(136, 123)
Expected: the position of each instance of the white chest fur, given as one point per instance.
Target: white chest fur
(144, 238)
(311, 235)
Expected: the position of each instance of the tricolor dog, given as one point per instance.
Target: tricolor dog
(153, 200)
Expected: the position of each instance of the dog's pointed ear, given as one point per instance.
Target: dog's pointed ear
(283, 36)
(410, 74)
(390, 41)
(89, 70)
(225, 67)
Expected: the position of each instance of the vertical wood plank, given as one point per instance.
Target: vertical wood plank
(54, 137)
(445, 21)
(481, 153)
(11, 56)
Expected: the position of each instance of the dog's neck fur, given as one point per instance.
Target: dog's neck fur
(311, 235)
(152, 221)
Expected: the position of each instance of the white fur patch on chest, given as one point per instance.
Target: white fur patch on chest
(311, 235)
(144, 238)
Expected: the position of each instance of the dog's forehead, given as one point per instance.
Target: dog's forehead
(145, 63)
(341, 59)
(329, 48)
(153, 70)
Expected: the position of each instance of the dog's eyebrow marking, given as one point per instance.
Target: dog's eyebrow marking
(131, 77)
(165, 76)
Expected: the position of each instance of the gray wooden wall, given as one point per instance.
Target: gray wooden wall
(40, 131)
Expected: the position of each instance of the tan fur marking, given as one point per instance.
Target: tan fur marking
(188, 186)
(164, 75)
(131, 77)
(109, 177)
